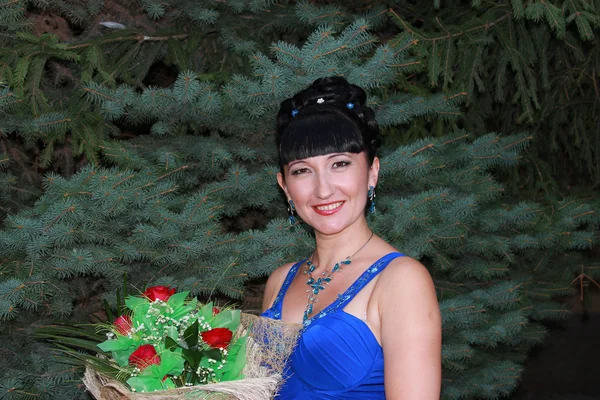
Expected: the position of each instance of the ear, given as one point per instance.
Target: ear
(282, 185)
(374, 172)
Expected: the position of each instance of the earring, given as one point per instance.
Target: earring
(371, 195)
(291, 210)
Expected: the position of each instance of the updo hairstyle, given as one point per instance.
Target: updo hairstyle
(330, 116)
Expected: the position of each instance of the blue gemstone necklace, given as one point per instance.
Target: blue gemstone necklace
(319, 284)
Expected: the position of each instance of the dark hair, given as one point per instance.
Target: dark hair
(330, 116)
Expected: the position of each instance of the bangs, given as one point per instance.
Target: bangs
(317, 134)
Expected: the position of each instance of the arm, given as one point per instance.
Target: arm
(274, 284)
(411, 332)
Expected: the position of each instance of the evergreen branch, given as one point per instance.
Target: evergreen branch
(8, 3)
(136, 38)
(58, 217)
(123, 180)
(556, 23)
(449, 35)
(455, 139)
(162, 193)
(9, 94)
(345, 46)
(324, 35)
(279, 49)
(182, 168)
(406, 64)
(86, 89)
(454, 96)
(584, 214)
(426, 147)
(332, 14)
(61, 121)
(204, 200)
(412, 43)
(493, 141)
(527, 139)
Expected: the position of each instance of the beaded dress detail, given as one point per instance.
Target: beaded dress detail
(337, 355)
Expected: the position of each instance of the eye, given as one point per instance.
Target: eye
(340, 164)
(299, 171)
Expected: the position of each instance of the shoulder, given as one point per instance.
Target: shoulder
(411, 330)
(402, 281)
(274, 284)
(405, 270)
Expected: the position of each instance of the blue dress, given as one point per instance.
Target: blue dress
(337, 355)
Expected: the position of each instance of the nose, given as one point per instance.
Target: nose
(323, 188)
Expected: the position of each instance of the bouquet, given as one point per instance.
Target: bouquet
(167, 345)
(168, 341)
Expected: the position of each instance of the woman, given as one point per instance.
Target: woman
(372, 327)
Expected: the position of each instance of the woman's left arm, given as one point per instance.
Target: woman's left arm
(411, 332)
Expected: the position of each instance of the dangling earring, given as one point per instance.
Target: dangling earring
(291, 210)
(371, 196)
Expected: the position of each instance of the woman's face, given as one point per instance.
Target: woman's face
(330, 191)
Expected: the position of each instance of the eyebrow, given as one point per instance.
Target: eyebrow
(331, 155)
(291, 164)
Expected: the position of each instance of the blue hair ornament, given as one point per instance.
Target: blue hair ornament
(294, 113)
(350, 105)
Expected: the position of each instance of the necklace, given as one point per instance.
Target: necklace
(316, 285)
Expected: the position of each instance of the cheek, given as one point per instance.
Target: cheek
(299, 191)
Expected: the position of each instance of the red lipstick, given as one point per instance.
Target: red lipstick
(328, 211)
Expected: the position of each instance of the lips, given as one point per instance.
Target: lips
(329, 208)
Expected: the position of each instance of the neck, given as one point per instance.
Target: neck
(331, 249)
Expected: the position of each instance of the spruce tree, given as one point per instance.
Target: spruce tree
(158, 207)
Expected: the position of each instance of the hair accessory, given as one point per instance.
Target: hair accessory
(350, 105)
(316, 285)
(320, 100)
(371, 195)
(294, 113)
(291, 210)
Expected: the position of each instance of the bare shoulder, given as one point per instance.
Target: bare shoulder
(405, 268)
(405, 277)
(411, 330)
(274, 284)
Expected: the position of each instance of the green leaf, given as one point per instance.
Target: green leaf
(147, 383)
(172, 332)
(170, 344)
(191, 335)
(177, 300)
(122, 343)
(171, 362)
(181, 311)
(206, 311)
(215, 354)
(229, 319)
(151, 378)
(133, 302)
(236, 360)
(122, 357)
(193, 357)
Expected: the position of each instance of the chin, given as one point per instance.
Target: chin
(330, 228)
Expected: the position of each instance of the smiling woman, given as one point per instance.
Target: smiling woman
(372, 326)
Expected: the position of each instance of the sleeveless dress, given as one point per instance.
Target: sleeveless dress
(337, 355)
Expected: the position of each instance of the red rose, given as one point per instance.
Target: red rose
(217, 338)
(123, 324)
(158, 292)
(215, 311)
(144, 356)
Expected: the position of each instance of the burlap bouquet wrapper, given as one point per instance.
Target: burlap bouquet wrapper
(270, 343)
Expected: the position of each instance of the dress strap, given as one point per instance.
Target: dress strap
(356, 287)
(275, 311)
